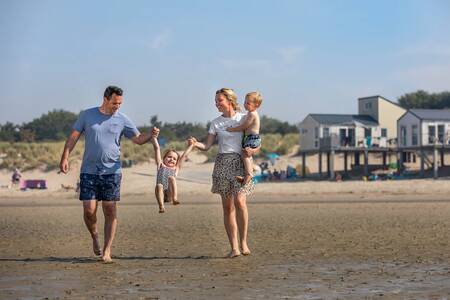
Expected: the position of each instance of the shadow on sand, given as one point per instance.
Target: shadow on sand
(87, 260)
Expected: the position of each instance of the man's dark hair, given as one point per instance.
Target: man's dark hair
(110, 90)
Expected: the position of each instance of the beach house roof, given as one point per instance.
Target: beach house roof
(345, 120)
(431, 114)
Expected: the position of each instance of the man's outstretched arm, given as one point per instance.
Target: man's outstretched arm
(143, 138)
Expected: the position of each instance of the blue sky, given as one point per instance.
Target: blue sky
(170, 57)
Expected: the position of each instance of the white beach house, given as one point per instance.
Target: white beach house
(318, 131)
(373, 126)
(424, 127)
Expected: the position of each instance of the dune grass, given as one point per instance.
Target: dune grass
(46, 155)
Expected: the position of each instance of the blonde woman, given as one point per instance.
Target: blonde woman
(228, 165)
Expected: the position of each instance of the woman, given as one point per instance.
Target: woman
(228, 165)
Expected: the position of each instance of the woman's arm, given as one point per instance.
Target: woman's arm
(246, 124)
(205, 146)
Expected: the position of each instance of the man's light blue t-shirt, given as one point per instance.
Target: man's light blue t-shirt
(102, 140)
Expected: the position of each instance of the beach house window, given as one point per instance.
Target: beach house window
(431, 134)
(368, 105)
(403, 135)
(414, 135)
(383, 132)
(326, 132)
(316, 132)
(441, 133)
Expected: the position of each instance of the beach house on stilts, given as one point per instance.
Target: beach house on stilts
(424, 134)
(372, 130)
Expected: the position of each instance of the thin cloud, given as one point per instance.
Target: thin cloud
(428, 77)
(160, 40)
(245, 64)
(290, 54)
(429, 49)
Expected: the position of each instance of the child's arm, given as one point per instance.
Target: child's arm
(191, 144)
(246, 124)
(154, 141)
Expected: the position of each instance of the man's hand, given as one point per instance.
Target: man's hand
(155, 132)
(64, 166)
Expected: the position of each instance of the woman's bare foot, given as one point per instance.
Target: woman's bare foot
(245, 250)
(96, 245)
(162, 209)
(175, 202)
(107, 257)
(234, 253)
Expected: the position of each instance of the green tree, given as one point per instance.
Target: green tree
(272, 125)
(9, 132)
(54, 125)
(423, 99)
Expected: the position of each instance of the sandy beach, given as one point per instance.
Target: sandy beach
(309, 240)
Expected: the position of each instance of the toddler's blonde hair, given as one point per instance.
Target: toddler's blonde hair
(256, 97)
(231, 96)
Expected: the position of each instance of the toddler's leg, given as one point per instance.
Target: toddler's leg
(172, 193)
(248, 170)
(159, 193)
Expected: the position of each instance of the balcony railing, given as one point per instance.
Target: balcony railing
(335, 142)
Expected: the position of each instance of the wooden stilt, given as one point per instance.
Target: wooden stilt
(303, 165)
(435, 163)
(332, 154)
(345, 162)
(422, 162)
(320, 164)
(328, 164)
(366, 163)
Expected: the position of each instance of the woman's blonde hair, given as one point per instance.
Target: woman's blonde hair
(256, 97)
(231, 96)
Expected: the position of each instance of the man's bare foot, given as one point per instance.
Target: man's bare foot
(162, 210)
(175, 202)
(234, 253)
(96, 245)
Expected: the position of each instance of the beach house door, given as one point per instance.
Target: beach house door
(343, 136)
(351, 137)
(441, 133)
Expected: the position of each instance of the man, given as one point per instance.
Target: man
(100, 174)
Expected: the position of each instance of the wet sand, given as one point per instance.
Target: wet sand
(331, 246)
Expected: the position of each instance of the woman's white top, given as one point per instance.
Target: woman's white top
(229, 142)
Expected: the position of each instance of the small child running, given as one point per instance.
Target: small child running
(250, 126)
(167, 171)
